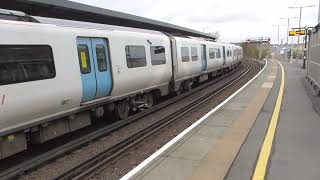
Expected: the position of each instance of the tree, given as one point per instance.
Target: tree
(251, 51)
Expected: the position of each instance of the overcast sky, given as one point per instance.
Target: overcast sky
(235, 20)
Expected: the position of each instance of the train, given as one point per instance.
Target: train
(57, 75)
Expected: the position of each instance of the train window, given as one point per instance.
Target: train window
(212, 53)
(158, 55)
(185, 54)
(136, 56)
(101, 57)
(218, 53)
(6, 77)
(84, 58)
(22, 63)
(194, 54)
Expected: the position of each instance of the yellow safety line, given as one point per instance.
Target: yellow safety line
(260, 171)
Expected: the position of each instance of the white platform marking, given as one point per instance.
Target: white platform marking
(267, 85)
(271, 77)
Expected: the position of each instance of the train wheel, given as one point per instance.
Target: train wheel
(122, 109)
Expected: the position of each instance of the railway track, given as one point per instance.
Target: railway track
(95, 163)
(99, 162)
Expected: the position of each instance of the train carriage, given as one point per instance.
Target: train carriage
(215, 56)
(56, 75)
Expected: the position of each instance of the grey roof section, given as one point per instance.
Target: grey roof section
(89, 25)
(12, 12)
(64, 9)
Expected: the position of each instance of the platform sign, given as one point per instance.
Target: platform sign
(297, 33)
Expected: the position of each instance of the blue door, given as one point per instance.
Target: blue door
(203, 58)
(102, 66)
(95, 68)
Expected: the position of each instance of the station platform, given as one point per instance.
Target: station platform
(267, 130)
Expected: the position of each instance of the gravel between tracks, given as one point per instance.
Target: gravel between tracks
(138, 154)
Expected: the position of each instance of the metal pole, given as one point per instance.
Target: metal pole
(278, 34)
(305, 49)
(319, 13)
(291, 56)
(299, 23)
(288, 31)
(278, 48)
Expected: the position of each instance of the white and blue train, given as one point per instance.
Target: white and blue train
(56, 75)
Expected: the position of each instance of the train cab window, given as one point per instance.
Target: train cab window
(158, 55)
(185, 54)
(194, 54)
(22, 63)
(212, 53)
(84, 58)
(136, 56)
(101, 57)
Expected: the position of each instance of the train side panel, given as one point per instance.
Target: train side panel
(27, 102)
(215, 56)
(187, 68)
(131, 80)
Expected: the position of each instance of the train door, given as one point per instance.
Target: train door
(203, 57)
(95, 68)
(224, 55)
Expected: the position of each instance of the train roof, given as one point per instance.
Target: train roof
(89, 25)
(12, 15)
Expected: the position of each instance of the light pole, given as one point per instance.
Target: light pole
(278, 32)
(300, 7)
(278, 50)
(319, 13)
(288, 27)
(205, 28)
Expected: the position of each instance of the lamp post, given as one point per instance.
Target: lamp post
(205, 28)
(278, 26)
(300, 7)
(319, 13)
(288, 26)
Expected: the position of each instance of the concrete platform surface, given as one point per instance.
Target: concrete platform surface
(295, 153)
